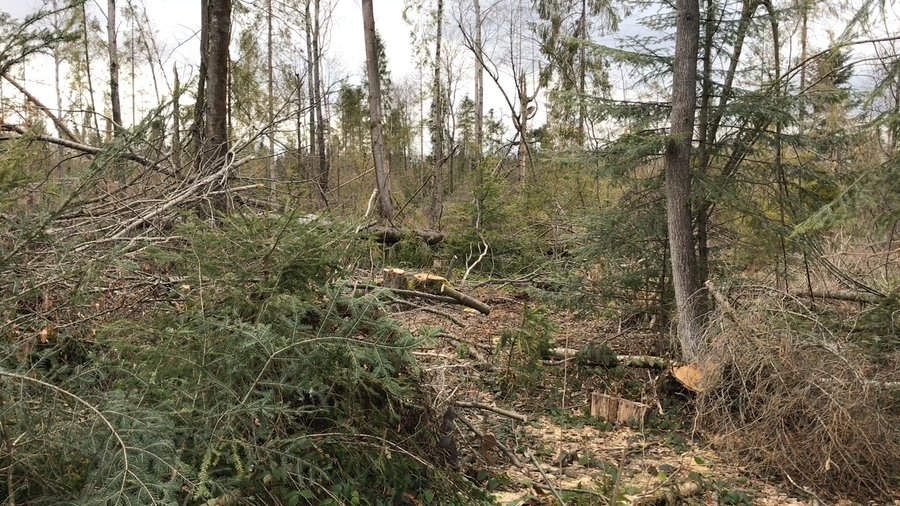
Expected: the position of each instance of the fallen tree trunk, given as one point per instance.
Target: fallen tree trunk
(644, 361)
(398, 279)
(866, 298)
(392, 235)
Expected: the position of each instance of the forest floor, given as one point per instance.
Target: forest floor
(582, 459)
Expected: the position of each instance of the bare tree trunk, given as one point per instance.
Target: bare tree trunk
(312, 96)
(678, 179)
(176, 121)
(522, 157)
(437, 149)
(318, 89)
(270, 102)
(198, 127)
(216, 141)
(87, 67)
(113, 67)
(479, 113)
(382, 172)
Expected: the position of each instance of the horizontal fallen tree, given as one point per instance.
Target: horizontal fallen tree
(603, 356)
(402, 282)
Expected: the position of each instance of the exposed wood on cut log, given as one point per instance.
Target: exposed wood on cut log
(618, 410)
(398, 279)
(690, 376)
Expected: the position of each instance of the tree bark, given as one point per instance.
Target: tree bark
(198, 127)
(176, 121)
(216, 141)
(270, 103)
(678, 179)
(479, 114)
(87, 68)
(318, 89)
(437, 149)
(113, 67)
(382, 172)
(310, 83)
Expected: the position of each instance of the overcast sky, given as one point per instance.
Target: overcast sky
(176, 24)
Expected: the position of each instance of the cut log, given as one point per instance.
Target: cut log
(644, 361)
(398, 279)
(690, 376)
(618, 410)
(394, 278)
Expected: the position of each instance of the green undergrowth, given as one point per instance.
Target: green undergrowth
(254, 380)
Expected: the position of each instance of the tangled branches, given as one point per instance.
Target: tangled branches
(793, 399)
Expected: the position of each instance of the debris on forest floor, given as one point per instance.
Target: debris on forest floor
(583, 459)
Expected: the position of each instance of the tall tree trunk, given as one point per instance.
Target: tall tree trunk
(437, 149)
(176, 121)
(216, 141)
(318, 89)
(113, 66)
(479, 115)
(199, 126)
(310, 82)
(270, 103)
(87, 68)
(382, 172)
(582, 72)
(704, 142)
(522, 126)
(678, 179)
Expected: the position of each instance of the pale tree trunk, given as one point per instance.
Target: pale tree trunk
(87, 68)
(270, 105)
(437, 150)
(382, 172)
(176, 121)
(522, 158)
(678, 179)
(479, 113)
(216, 141)
(318, 90)
(113, 67)
(310, 82)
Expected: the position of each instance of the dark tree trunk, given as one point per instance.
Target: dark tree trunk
(318, 89)
(678, 179)
(382, 172)
(310, 82)
(216, 142)
(198, 127)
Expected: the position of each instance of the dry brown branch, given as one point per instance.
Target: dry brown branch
(77, 146)
(506, 451)
(785, 396)
(488, 407)
(546, 478)
(427, 310)
(56, 121)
